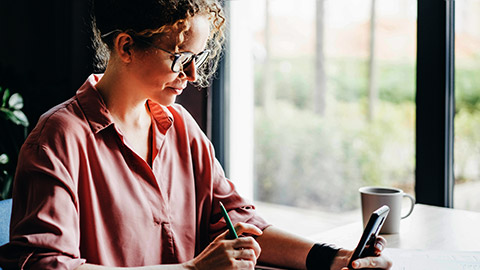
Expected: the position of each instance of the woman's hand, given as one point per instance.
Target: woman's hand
(241, 253)
(377, 261)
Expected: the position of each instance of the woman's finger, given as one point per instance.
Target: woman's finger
(245, 228)
(241, 228)
(247, 243)
(242, 264)
(380, 262)
(380, 244)
(224, 235)
(381, 240)
(245, 254)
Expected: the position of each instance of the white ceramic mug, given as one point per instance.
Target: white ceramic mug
(374, 197)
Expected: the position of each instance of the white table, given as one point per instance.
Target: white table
(427, 228)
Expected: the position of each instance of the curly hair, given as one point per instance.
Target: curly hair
(148, 19)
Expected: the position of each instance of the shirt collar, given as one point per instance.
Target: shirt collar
(98, 115)
(162, 115)
(92, 104)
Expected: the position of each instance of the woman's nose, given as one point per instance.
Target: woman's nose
(190, 71)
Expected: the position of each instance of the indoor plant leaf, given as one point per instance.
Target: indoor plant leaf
(6, 95)
(21, 118)
(7, 114)
(3, 159)
(15, 101)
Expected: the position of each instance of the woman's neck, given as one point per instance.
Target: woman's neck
(123, 101)
(129, 113)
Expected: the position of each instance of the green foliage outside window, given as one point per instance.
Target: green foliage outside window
(308, 160)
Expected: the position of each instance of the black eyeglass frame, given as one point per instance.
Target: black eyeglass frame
(198, 59)
(176, 67)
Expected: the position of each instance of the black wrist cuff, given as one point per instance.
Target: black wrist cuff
(321, 257)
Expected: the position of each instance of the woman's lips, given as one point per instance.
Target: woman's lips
(177, 90)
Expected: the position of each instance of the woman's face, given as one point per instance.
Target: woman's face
(152, 68)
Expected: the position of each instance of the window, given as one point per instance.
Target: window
(467, 112)
(322, 99)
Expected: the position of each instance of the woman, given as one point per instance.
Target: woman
(120, 176)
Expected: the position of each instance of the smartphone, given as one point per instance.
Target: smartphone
(366, 246)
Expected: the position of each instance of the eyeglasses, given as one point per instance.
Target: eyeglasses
(183, 59)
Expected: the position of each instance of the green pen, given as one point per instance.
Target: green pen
(233, 233)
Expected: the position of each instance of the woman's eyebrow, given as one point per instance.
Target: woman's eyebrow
(183, 50)
(186, 52)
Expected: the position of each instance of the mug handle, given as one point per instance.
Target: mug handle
(411, 207)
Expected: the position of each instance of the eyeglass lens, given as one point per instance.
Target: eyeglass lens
(185, 59)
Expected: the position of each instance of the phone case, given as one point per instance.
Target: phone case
(366, 246)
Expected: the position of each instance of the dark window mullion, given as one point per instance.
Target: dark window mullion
(450, 102)
(435, 102)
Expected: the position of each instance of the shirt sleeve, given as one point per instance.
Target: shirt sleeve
(211, 174)
(44, 230)
(239, 209)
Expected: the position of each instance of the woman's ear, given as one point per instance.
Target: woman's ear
(123, 45)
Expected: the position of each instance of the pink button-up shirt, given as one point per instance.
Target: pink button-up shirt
(81, 193)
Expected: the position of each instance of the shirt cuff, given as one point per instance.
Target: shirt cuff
(50, 261)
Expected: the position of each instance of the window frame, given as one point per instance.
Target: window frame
(435, 104)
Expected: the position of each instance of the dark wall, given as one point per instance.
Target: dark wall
(46, 54)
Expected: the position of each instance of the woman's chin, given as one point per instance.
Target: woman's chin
(166, 101)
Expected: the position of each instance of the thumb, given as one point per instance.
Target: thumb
(223, 236)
